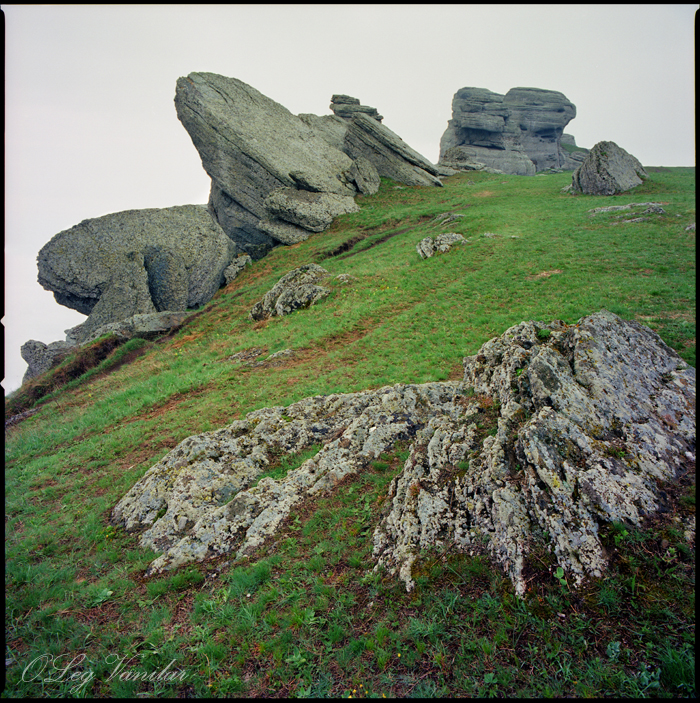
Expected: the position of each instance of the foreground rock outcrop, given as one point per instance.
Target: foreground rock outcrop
(518, 133)
(607, 170)
(555, 431)
(135, 262)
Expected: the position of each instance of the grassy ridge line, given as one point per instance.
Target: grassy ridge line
(401, 320)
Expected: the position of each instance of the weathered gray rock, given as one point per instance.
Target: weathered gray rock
(251, 146)
(297, 289)
(506, 132)
(388, 153)
(236, 266)
(587, 419)
(428, 246)
(375, 150)
(607, 170)
(346, 107)
(310, 212)
(136, 262)
(202, 498)
(146, 326)
(41, 357)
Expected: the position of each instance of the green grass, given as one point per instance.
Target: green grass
(306, 615)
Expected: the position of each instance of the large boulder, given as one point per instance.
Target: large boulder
(252, 146)
(607, 170)
(297, 289)
(136, 262)
(41, 357)
(555, 431)
(517, 133)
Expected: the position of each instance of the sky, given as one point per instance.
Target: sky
(91, 128)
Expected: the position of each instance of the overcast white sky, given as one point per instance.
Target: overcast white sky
(91, 126)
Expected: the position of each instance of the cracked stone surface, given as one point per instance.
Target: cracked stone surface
(554, 431)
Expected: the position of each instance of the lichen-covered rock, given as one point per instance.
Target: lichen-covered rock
(428, 246)
(607, 170)
(200, 500)
(586, 419)
(41, 357)
(555, 431)
(297, 289)
(236, 266)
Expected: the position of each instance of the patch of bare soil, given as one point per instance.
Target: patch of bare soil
(543, 274)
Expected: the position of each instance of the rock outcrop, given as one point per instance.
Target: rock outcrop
(428, 246)
(252, 146)
(555, 431)
(41, 357)
(146, 326)
(297, 289)
(517, 133)
(607, 170)
(376, 151)
(347, 107)
(136, 262)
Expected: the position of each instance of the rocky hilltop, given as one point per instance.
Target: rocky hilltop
(519, 132)
(276, 178)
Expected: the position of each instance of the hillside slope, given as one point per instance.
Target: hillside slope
(533, 253)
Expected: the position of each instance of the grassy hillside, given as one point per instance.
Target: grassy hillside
(307, 617)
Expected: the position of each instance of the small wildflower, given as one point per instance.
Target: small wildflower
(399, 654)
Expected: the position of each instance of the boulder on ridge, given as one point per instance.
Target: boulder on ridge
(136, 262)
(607, 170)
(517, 133)
(588, 419)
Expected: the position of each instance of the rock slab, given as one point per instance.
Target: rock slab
(586, 420)
(607, 170)
(251, 146)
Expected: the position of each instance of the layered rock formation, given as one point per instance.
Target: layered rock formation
(347, 107)
(607, 170)
(517, 133)
(274, 179)
(136, 262)
(555, 431)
